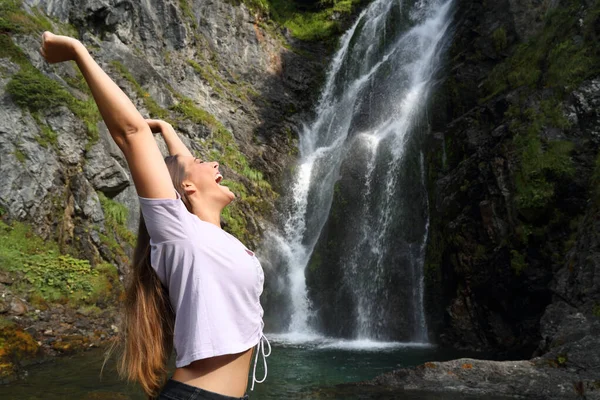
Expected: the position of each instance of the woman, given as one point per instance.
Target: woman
(193, 286)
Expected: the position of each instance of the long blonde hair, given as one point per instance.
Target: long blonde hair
(148, 317)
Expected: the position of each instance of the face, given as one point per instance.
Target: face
(203, 180)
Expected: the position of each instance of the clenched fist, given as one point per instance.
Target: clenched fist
(56, 48)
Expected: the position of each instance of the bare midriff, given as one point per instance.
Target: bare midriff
(226, 374)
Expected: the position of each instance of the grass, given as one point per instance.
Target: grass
(32, 90)
(42, 272)
(561, 56)
(14, 19)
(185, 7)
(543, 163)
(115, 222)
(221, 86)
(318, 22)
(190, 111)
(47, 136)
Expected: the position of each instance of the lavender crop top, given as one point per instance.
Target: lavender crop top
(214, 284)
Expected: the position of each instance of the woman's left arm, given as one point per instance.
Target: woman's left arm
(174, 143)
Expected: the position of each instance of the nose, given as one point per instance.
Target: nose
(216, 164)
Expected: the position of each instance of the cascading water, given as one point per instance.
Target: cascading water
(356, 224)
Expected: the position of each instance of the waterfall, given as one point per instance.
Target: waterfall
(356, 218)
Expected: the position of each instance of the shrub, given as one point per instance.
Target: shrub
(44, 273)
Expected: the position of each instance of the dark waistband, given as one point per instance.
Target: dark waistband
(175, 388)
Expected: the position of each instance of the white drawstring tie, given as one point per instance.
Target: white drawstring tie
(261, 349)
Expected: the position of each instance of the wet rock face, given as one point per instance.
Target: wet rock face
(535, 379)
(506, 263)
(211, 52)
(206, 66)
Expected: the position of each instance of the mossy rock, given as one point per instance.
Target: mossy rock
(71, 344)
(15, 346)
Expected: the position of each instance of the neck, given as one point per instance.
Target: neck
(206, 211)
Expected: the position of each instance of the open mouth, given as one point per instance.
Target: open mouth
(218, 178)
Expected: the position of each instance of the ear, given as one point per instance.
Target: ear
(188, 187)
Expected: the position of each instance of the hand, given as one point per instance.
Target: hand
(159, 126)
(56, 48)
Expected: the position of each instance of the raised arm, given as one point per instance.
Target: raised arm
(174, 143)
(125, 124)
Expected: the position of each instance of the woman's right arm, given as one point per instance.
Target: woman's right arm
(125, 124)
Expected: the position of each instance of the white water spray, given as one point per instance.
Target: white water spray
(375, 93)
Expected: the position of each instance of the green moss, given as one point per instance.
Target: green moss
(15, 345)
(319, 23)
(185, 7)
(47, 136)
(561, 56)
(235, 223)
(153, 108)
(115, 219)
(517, 262)
(14, 19)
(315, 261)
(542, 163)
(499, 39)
(20, 155)
(11, 51)
(222, 87)
(32, 90)
(40, 270)
(190, 111)
(596, 310)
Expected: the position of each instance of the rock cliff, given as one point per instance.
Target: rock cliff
(233, 84)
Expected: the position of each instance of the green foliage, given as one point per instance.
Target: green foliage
(561, 360)
(499, 38)
(185, 7)
(190, 111)
(42, 271)
(34, 91)
(542, 163)
(47, 136)
(517, 262)
(14, 19)
(154, 109)
(114, 212)
(235, 221)
(561, 56)
(115, 220)
(221, 86)
(31, 89)
(315, 261)
(11, 51)
(19, 155)
(261, 6)
(311, 25)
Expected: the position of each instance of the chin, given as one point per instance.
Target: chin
(229, 194)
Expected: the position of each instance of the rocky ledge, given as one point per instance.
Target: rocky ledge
(540, 378)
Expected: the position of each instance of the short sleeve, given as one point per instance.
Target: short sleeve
(166, 219)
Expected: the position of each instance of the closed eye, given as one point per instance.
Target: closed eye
(197, 160)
